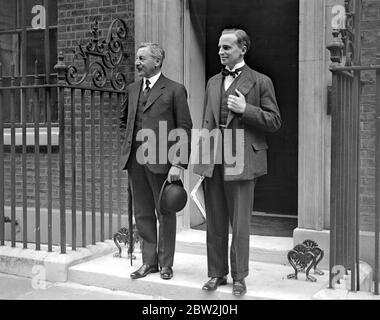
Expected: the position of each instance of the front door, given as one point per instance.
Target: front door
(273, 28)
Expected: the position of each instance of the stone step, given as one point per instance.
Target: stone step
(262, 248)
(265, 281)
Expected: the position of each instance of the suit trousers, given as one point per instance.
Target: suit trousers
(228, 203)
(146, 187)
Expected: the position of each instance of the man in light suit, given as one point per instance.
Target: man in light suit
(157, 106)
(238, 100)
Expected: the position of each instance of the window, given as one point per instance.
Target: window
(28, 41)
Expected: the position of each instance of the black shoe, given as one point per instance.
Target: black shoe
(239, 288)
(144, 270)
(166, 273)
(214, 283)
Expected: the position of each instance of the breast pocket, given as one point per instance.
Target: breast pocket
(259, 146)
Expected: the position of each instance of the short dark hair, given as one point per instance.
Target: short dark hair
(242, 37)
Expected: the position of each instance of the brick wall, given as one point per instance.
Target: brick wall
(74, 25)
(30, 178)
(370, 25)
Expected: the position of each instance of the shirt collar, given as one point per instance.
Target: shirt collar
(152, 80)
(237, 66)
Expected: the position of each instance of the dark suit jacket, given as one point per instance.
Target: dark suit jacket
(261, 115)
(167, 102)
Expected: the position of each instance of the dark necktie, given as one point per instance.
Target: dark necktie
(234, 74)
(147, 88)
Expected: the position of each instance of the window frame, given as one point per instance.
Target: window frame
(21, 30)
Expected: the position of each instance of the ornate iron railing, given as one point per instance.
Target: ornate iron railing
(109, 51)
(346, 68)
(82, 164)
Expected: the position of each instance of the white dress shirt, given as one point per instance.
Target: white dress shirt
(229, 79)
(152, 80)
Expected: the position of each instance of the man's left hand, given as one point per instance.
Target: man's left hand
(174, 174)
(237, 103)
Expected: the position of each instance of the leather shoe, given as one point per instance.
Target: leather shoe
(166, 273)
(144, 270)
(239, 288)
(214, 283)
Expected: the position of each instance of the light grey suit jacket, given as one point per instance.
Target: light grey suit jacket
(261, 115)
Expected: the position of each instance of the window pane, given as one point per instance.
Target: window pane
(7, 14)
(53, 13)
(53, 49)
(9, 53)
(36, 51)
(7, 102)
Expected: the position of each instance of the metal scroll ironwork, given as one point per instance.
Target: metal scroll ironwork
(109, 54)
(123, 236)
(342, 47)
(348, 34)
(304, 257)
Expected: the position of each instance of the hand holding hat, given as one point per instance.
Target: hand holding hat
(174, 174)
(172, 198)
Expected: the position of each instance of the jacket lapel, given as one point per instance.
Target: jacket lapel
(244, 83)
(134, 98)
(215, 96)
(155, 92)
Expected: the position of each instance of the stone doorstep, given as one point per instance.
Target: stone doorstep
(21, 262)
(262, 248)
(95, 265)
(265, 280)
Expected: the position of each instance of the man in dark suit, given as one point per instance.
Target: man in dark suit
(240, 104)
(155, 108)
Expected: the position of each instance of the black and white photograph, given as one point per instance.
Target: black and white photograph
(189, 156)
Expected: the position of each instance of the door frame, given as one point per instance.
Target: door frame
(314, 140)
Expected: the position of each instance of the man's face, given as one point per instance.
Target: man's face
(146, 65)
(229, 52)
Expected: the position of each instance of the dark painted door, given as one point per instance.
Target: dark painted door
(273, 28)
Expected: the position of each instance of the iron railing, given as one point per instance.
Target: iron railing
(346, 71)
(83, 164)
(344, 214)
(377, 172)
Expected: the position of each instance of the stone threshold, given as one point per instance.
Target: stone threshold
(262, 248)
(22, 262)
(265, 280)
(52, 266)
